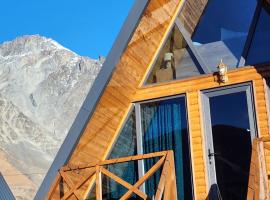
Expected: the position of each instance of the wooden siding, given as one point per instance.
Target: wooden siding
(117, 97)
(196, 144)
(191, 13)
(192, 87)
(115, 102)
(125, 87)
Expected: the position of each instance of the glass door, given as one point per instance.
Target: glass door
(162, 125)
(229, 123)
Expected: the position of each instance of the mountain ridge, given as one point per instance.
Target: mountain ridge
(42, 87)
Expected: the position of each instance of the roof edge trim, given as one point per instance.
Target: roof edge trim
(5, 191)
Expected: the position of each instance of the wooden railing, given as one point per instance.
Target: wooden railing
(166, 188)
(258, 179)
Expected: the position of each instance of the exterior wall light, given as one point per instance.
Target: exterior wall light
(222, 72)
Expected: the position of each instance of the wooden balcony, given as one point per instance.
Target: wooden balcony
(258, 186)
(65, 188)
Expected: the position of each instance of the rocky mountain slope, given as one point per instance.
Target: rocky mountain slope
(42, 86)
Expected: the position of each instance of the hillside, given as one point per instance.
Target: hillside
(42, 86)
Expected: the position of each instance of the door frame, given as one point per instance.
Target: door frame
(139, 135)
(206, 119)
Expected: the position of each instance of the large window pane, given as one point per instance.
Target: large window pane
(222, 31)
(175, 60)
(259, 50)
(128, 171)
(164, 127)
(232, 143)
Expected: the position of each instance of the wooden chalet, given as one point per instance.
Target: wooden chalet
(180, 109)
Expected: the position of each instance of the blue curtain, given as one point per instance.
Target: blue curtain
(162, 130)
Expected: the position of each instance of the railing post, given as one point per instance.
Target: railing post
(258, 182)
(170, 192)
(173, 186)
(98, 184)
(264, 191)
(55, 184)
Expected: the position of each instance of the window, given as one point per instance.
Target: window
(125, 146)
(164, 127)
(205, 33)
(222, 31)
(259, 50)
(175, 60)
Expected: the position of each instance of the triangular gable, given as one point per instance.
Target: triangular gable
(92, 98)
(187, 61)
(110, 98)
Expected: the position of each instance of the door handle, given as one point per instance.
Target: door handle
(210, 155)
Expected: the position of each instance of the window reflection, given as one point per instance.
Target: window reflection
(259, 50)
(222, 31)
(174, 60)
(232, 144)
(124, 146)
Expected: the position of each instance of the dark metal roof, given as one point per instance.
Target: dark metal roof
(5, 192)
(93, 96)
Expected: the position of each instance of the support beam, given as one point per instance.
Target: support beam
(195, 53)
(78, 185)
(116, 160)
(123, 183)
(98, 184)
(145, 177)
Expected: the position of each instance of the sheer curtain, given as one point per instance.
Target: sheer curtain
(162, 130)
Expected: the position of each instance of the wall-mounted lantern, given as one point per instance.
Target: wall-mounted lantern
(222, 72)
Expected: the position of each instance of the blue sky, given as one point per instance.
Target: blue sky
(87, 27)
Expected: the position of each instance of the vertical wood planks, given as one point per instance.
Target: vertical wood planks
(262, 116)
(196, 144)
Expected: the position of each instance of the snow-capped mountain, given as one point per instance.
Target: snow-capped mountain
(42, 86)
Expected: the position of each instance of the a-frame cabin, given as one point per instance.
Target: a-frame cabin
(180, 109)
